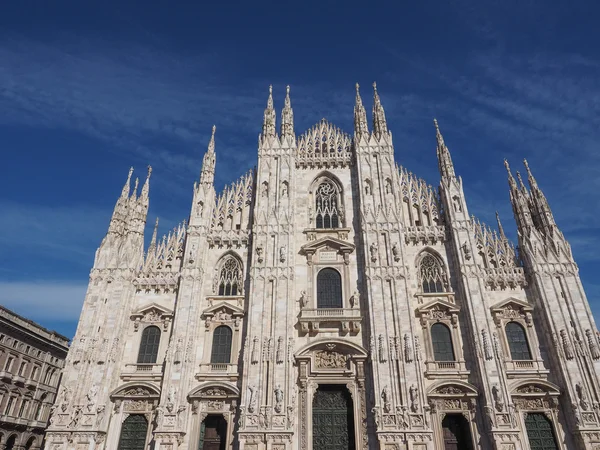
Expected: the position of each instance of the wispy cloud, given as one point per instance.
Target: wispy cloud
(44, 302)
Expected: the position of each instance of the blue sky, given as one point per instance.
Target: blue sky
(88, 89)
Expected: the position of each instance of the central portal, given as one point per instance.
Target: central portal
(213, 433)
(333, 419)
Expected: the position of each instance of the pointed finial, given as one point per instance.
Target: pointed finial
(154, 234)
(360, 115)
(268, 128)
(530, 177)
(521, 184)
(511, 180)
(135, 187)
(146, 186)
(127, 185)
(500, 228)
(445, 164)
(379, 121)
(211, 143)
(287, 116)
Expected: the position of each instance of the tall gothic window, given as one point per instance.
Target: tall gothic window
(329, 289)
(433, 276)
(540, 432)
(327, 212)
(133, 433)
(221, 346)
(441, 340)
(517, 341)
(149, 345)
(230, 277)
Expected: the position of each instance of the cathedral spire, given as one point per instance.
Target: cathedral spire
(360, 116)
(443, 154)
(268, 129)
(519, 200)
(287, 116)
(207, 175)
(379, 122)
(543, 211)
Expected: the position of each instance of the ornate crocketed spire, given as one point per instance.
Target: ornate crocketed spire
(268, 129)
(207, 175)
(543, 211)
(360, 116)
(379, 122)
(146, 187)
(287, 116)
(443, 154)
(519, 200)
(521, 184)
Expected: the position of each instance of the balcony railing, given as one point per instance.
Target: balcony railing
(445, 369)
(218, 371)
(137, 371)
(523, 368)
(348, 318)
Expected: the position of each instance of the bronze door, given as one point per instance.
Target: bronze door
(333, 419)
(213, 433)
(456, 432)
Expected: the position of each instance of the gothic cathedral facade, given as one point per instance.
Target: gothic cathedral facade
(330, 299)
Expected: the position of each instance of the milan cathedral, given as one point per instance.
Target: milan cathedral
(331, 299)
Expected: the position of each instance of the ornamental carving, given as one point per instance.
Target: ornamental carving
(214, 392)
(449, 390)
(530, 389)
(326, 359)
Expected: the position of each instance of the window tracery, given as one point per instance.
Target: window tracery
(432, 274)
(517, 342)
(327, 205)
(230, 277)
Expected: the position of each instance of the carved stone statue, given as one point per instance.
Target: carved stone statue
(252, 400)
(303, 299)
(278, 399)
(385, 396)
(414, 398)
(355, 299)
(396, 252)
(373, 250)
(282, 255)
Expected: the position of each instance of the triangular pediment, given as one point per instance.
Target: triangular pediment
(514, 304)
(223, 309)
(153, 310)
(327, 242)
(439, 305)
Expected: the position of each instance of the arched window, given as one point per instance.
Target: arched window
(326, 206)
(149, 345)
(433, 276)
(230, 276)
(133, 433)
(517, 342)
(10, 444)
(442, 343)
(30, 443)
(329, 289)
(540, 432)
(221, 346)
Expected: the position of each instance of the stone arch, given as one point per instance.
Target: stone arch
(200, 391)
(460, 387)
(126, 390)
(533, 386)
(355, 349)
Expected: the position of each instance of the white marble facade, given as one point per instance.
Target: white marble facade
(411, 260)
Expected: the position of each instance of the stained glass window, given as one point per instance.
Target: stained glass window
(149, 345)
(433, 276)
(221, 346)
(230, 277)
(442, 343)
(517, 341)
(327, 214)
(329, 289)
